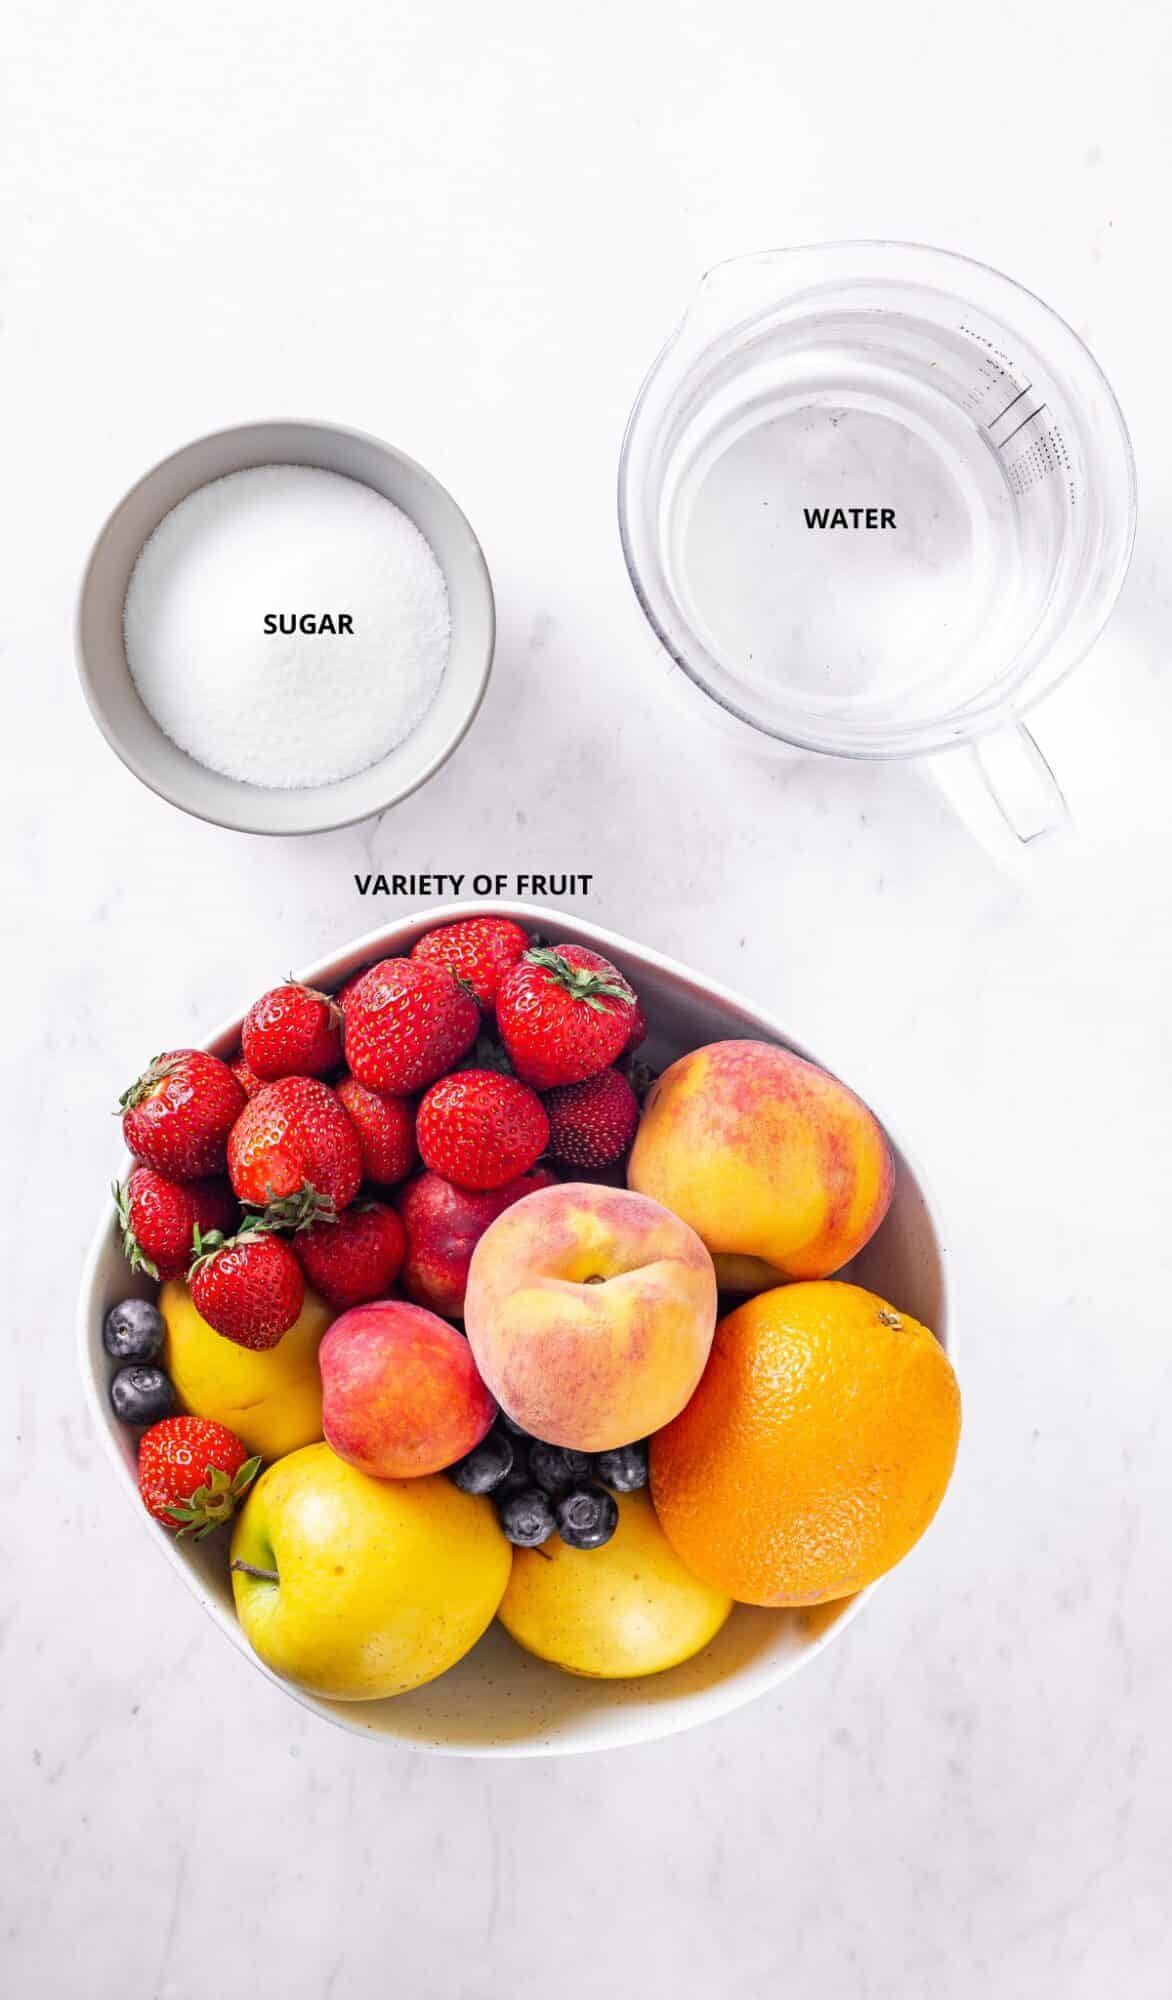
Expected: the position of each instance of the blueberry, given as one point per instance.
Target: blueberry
(624, 1469)
(519, 1475)
(511, 1424)
(133, 1331)
(587, 1517)
(527, 1518)
(142, 1395)
(485, 1466)
(556, 1466)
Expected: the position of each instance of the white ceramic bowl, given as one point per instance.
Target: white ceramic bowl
(114, 700)
(500, 1701)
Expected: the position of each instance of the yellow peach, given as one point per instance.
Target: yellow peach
(590, 1312)
(778, 1167)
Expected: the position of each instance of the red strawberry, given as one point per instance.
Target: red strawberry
(178, 1115)
(444, 1224)
(406, 1023)
(592, 1124)
(191, 1473)
(292, 1031)
(480, 1129)
(294, 1136)
(159, 1219)
(342, 996)
(247, 1078)
(638, 1034)
(477, 951)
(355, 1258)
(564, 1013)
(249, 1287)
(386, 1130)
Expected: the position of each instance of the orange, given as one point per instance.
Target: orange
(816, 1449)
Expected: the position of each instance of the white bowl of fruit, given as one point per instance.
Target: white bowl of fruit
(517, 1343)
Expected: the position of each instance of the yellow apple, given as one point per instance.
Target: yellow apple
(357, 1588)
(626, 1609)
(271, 1397)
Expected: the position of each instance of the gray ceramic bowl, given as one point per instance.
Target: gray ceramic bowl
(114, 700)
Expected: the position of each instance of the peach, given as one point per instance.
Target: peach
(781, 1169)
(590, 1312)
(400, 1393)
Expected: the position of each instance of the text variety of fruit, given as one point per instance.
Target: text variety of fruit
(443, 1257)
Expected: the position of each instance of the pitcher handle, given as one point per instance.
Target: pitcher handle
(1027, 793)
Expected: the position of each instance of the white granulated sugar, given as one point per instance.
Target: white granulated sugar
(287, 709)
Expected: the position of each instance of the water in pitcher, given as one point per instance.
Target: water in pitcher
(846, 527)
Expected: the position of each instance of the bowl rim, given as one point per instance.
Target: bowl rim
(242, 822)
(718, 1701)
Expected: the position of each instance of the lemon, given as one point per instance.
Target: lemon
(626, 1609)
(270, 1397)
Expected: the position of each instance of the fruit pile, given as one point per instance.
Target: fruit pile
(440, 1254)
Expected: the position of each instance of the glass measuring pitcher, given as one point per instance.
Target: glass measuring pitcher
(876, 500)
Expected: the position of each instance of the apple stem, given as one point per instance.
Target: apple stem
(248, 1569)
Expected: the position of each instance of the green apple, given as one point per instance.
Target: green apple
(357, 1588)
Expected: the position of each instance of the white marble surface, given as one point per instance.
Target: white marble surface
(467, 229)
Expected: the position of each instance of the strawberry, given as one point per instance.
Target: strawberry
(638, 1034)
(249, 1287)
(292, 1031)
(159, 1219)
(444, 1224)
(355, 1258)
(386, 1130)
(406, 1022)
(178, 1115)
(247, 1078)
(477, 951)
(592, 1124)
(294, 1139)
(191, 1473)
(342, 996)
(564, 1013)
(480, 1129)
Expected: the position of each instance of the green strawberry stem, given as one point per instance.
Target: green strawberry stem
(580, 983)
(295, 1212)
(205, 1247)
(132, 1249)
(291, 1211)
(215, 1502)
(152, 1076)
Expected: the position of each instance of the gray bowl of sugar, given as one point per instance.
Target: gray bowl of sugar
(285, 627)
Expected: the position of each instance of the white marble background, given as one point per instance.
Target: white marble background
(467, 228)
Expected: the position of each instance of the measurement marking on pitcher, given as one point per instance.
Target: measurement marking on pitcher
(1021, 426)
(1010, 406)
